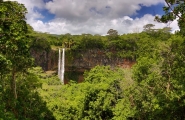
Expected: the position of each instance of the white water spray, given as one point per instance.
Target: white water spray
(61, 64)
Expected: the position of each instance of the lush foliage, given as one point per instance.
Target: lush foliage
(13, 43)
(96, 98)
(160, 77)
(174, 10)
(18, 96)
(153, 89)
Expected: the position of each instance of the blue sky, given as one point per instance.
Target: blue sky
(93, 16)
(153, 10)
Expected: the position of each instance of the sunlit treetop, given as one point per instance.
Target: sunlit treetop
(175, 9)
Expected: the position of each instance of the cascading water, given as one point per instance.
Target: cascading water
(61, 64)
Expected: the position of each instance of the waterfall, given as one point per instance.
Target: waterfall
(61, 64)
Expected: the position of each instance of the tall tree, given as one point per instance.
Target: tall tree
(112, 34)
(148, 27)
(160, 77)
(175, 9)
(13, 43)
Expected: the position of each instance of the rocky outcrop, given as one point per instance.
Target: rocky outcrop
(90, 58)
(48, 60)
(76, 62)
(81, 59)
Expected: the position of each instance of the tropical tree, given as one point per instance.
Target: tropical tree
(174, 10)
(148, 27)
(112, 34)
(160, 77)
(95, 98)
(13, 43)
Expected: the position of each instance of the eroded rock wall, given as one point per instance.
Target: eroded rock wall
(79, 60)
(90, 58)
(48, 60)
(76, 62)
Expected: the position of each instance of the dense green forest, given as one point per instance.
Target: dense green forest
(154, 88)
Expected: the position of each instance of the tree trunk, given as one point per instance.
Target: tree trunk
(13, 85)
(2, 81)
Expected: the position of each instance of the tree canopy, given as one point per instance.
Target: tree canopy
(174, 10)
(152, 89)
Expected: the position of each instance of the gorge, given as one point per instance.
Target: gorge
(76, 62)
(61, 64)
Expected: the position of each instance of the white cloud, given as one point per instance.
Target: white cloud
(97, 26)
(30, 5)
(82, 10)
(90, 16)
(174, 26)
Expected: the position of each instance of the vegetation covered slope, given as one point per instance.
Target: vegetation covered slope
(152, 89)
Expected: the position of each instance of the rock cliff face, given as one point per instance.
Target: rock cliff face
(48, 60)
(90, 58)
(76, 62)
(79, 59)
